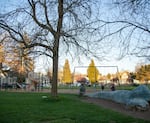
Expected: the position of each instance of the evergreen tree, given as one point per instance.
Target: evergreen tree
(67, 78)
(92, 72)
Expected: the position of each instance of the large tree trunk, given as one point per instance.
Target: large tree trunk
(54, 92)
(56, 49)
(55, 74)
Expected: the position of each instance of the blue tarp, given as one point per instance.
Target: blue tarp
(137, 97)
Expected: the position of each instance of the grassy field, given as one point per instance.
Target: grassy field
(32, 108)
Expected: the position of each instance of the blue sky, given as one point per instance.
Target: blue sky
(124, 64)
(127, 63)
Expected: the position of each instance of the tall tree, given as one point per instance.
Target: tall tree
(67, 76)
(17, 57)
(92, 72)
(52, 23)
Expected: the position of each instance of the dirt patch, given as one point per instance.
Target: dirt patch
(118, 107)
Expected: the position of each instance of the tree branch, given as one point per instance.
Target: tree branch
(34, 16)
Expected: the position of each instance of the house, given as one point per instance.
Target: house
(124, 76)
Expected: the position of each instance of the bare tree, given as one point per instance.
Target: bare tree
(132, 26)
(55, 24)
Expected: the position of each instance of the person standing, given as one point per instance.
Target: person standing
(82, 90)
(102, 86)
(113, 87)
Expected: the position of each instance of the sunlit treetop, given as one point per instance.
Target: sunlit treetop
(92, 72)
(67, 77)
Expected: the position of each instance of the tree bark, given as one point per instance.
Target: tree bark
(54, 91)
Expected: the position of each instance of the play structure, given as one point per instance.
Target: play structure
(34, 81)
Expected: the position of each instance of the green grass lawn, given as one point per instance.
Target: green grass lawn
(31, 108)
